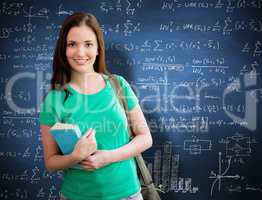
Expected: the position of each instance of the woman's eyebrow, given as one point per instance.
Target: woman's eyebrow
(76, 41)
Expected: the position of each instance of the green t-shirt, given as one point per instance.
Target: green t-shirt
(102, 112)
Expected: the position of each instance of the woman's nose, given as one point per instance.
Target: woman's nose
(81, 50)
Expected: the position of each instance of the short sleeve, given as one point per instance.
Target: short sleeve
(48, 109)
(130, 96)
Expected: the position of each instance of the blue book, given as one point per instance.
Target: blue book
(66, 137)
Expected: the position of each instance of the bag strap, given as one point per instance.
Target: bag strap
(146, 176)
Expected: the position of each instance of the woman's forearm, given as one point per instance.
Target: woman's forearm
(61, 162)
(137, 145)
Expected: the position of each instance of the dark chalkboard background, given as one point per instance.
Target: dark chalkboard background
(196, 69)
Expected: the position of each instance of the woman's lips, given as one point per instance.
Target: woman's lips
(81, 61)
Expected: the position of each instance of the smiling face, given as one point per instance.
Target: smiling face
(81, 49)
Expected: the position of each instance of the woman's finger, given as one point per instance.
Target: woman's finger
(86, 163)
(86, 167)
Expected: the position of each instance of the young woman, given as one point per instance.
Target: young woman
(81, 94)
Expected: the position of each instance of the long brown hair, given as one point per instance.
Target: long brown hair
(61, 67)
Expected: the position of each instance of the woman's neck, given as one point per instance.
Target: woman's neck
(83, 81)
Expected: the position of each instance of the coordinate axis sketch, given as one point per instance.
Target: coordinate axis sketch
(221, 175)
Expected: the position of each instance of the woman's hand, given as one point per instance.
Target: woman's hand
(97, 160)
(85, 146)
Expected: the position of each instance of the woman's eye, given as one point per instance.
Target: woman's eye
(71, 44)
(89, 44)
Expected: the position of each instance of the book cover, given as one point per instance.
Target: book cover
(66, 137)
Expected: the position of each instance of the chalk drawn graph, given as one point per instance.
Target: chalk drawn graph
(221, 175)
